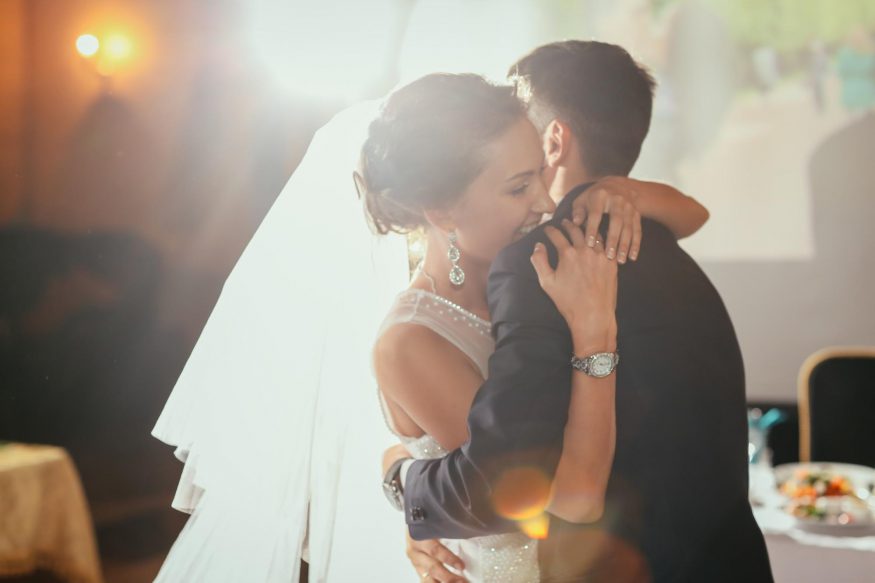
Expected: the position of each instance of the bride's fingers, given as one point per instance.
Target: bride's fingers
(445, 556)
(594, 218)
(542, 264)
(557, 238)
(574, 233)
(625, 245)
(579, 209)
(430, 569)
(636, 238)
(616, 225)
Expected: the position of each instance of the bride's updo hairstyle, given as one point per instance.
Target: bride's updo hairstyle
(428, 144)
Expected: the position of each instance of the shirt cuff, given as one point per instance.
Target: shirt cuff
(402, 474)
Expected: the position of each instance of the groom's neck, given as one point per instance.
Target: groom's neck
(566, 178)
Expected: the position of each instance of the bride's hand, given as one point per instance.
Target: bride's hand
(616, 196)
(429, 558)
(583, 286)
(393, 454)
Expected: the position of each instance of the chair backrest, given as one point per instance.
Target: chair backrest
(836, 393)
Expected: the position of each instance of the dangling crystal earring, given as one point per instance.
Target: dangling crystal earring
(457, 275)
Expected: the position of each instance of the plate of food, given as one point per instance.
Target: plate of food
(828, 497)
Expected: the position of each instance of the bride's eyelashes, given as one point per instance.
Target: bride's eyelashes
(520, 190)
(525, 186)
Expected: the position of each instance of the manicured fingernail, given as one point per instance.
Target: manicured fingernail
(621, 257)
(539, 246)
(591, 241)
(610, 253)
(633, 255)
(578, 220)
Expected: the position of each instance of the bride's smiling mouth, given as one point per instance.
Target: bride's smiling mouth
(526, 229)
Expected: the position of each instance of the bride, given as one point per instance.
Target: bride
(272, 414)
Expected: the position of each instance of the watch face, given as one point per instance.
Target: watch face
(602, 365)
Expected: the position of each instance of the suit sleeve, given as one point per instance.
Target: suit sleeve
(517, 419)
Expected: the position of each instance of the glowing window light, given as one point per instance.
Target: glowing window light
(87, 45)
(334, 49)
(460, 36)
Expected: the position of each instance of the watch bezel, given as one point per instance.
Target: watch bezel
(603, 362)
(392, 487)
(393, 494)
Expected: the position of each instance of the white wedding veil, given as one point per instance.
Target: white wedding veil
(275, 414)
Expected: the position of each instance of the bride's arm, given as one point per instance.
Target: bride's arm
(578, 489)
(414, 367)
(584, 289)
(682, 214)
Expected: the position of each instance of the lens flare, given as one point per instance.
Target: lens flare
(537, 527)
(521, 493)
(87, 45)
(118, 47)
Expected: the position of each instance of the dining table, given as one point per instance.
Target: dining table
(802, 554)
(45, 522)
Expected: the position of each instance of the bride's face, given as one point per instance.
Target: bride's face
(507, 199)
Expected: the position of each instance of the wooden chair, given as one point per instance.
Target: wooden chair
(836, 392)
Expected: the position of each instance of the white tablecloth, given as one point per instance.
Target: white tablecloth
(799, 556)
(44, 518)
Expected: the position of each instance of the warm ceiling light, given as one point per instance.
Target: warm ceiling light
(87, 45)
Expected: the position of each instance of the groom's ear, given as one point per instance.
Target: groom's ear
(557, 142)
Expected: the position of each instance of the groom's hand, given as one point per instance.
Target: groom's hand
(430, 558)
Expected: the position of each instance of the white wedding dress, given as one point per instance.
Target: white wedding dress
(500, 558)
(274, 415)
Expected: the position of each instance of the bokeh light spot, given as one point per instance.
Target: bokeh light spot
(87, 45)
(521, 493)
(118, 46)
(537, 527)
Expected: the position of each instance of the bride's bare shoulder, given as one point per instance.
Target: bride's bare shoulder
(407, 343)
(408, 353)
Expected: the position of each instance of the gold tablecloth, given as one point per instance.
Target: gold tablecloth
(44, 518)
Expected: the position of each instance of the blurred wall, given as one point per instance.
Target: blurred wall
(109, 152)
(786, 310)
(11, 102)
(184, 145)
(187, 144)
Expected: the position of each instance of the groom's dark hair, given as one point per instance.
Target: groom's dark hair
(598, 90)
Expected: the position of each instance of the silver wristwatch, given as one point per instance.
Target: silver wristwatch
(598, 365)
(392, 487)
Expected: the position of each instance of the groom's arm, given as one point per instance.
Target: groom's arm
(517, 419)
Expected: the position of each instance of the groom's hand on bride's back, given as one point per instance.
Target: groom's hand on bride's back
(430, 559)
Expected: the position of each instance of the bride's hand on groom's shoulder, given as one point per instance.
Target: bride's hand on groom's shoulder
(430, 559)
(583, 286)
(615, 196)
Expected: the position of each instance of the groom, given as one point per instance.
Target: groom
(676, 507)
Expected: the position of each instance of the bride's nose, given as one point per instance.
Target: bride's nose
(542, 202)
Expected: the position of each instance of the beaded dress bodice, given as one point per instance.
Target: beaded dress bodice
(505, 558)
